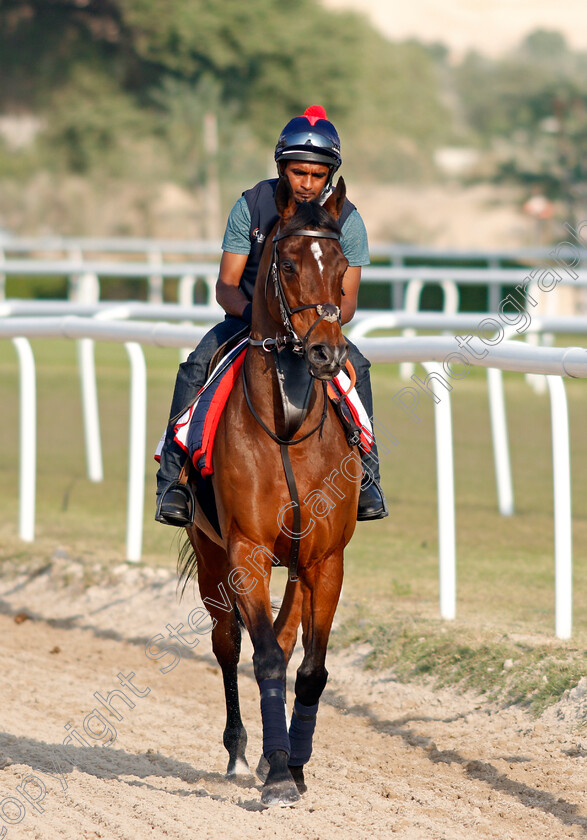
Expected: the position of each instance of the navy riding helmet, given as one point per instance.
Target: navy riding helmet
(310, 137)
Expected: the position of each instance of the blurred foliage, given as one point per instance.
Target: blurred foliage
(126, 82)
(121, 89)
(528, 110)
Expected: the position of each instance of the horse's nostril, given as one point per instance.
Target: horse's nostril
(320, 354)
(343, 355)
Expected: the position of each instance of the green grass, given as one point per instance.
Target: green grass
(505, 566)
(530, 672)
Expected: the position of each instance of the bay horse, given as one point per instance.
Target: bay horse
(265, 462)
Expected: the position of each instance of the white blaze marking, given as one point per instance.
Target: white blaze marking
(317, 251)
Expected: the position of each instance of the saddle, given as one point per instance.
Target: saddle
(195, 430)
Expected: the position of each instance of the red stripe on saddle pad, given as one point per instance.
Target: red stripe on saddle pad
(213, 416)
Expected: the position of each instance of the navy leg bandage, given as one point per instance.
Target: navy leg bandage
(275, 735)
(301, 731)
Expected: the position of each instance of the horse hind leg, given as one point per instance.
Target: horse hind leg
(226, 644)
(235, 734)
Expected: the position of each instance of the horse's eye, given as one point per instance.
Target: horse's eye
(287, 267)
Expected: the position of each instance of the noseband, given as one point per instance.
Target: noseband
(326, 311)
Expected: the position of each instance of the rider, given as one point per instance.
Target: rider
(308, 154)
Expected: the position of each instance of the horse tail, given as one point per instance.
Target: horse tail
(187, 564)
(238, 616)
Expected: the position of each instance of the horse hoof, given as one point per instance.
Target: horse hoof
(282, 793)
(262, 770)
(298, 777)
(238, 767)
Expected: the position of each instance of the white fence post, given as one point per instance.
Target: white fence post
(445, 483)
(499, 436)
(155, 281)
(90, 411)
(88, 291)
(411, 305)
(2, 279)
(450, 305)
(136, 450)
(185, 297)
(28, 440)
(563, 535)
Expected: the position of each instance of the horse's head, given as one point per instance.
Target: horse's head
(307, 269)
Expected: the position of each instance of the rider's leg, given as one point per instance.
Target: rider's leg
(174, 505)
(371, 499)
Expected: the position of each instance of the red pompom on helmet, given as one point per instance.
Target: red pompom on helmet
(310, 137)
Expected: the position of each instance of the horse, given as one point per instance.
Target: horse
(275, 445)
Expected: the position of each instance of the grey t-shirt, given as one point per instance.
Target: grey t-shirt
(354, 242)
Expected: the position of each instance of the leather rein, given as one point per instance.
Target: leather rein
(326, 312)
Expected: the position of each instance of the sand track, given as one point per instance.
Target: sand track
(390, 760)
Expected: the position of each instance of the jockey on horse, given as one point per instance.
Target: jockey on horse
(308, 154)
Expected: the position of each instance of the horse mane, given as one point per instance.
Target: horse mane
(311, 214)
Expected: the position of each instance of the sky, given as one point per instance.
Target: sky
(491, 26)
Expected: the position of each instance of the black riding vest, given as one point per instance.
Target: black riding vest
(261, 203)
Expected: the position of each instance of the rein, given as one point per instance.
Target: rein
(326, 312)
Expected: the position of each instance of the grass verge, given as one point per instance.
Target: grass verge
(505, 670)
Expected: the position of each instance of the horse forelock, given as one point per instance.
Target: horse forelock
(311, 214)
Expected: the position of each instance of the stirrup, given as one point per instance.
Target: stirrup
(374, 507)
(179, 517)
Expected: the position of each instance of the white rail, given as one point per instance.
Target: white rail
(373, 274)
(509, 355)
(388, 250)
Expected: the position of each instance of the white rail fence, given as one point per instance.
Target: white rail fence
(552, 362)
(405, 282)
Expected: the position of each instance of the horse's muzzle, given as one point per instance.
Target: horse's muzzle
(325, 361)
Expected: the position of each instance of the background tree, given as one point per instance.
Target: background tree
(529, 113)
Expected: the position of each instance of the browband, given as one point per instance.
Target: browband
(319, 234)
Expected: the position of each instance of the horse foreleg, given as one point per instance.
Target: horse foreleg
(270, 667)
(226, 644)
(321, 590)
(286, 629)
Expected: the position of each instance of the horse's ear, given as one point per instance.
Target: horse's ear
(284, 199)
(335, 202)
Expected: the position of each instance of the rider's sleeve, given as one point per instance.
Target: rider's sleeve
(237, 234)
(354, 242)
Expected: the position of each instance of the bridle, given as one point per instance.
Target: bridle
(326, 311)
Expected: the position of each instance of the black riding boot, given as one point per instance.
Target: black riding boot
(372, 503)
(175, 502)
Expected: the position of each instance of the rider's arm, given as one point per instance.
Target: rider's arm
(350, 285)
(235, 246)
(356, 249)
(228, 294)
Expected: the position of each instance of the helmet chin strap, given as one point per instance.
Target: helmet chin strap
(327, 191)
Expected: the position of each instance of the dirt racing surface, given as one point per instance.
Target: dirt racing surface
(143, 754)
